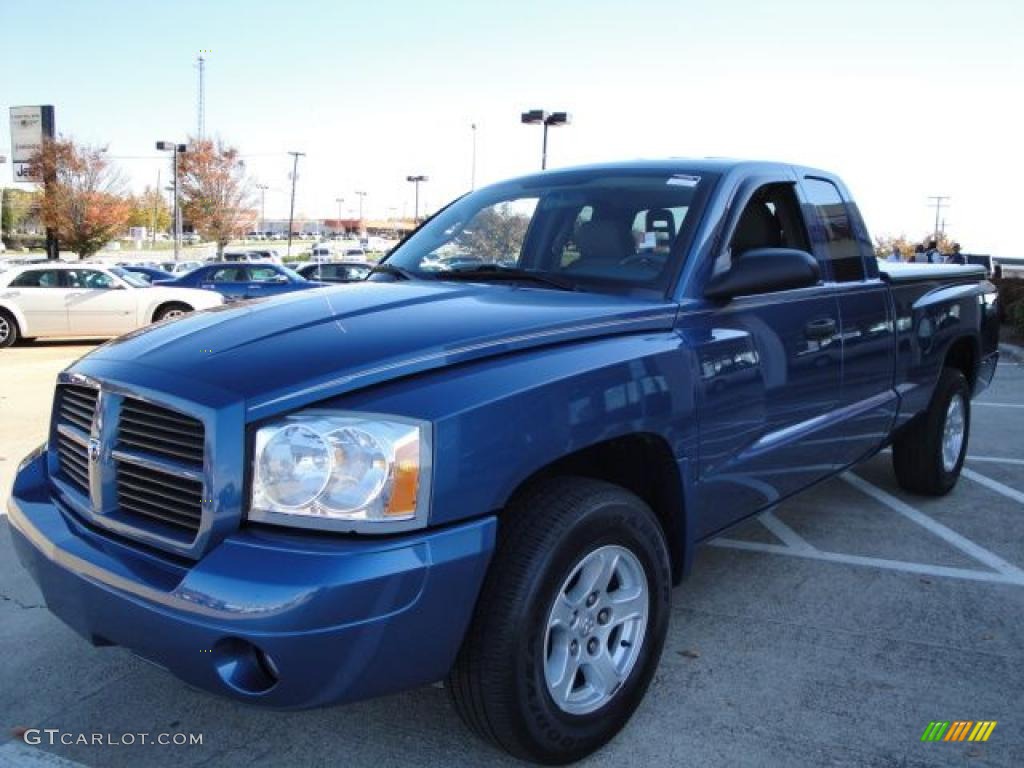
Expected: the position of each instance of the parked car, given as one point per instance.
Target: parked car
(495, 472)
(236, 280)
(335, 271)
(149, 274)
(54, 299)
(180, 267)
(191, 238)
(255, 236)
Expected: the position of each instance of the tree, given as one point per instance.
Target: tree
(150, 210)
(495, 234)
(216, 193)
(884, 244)
(85, 203)
(19, 205)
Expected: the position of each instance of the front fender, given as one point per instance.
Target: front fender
(23, 324)
(501, 420)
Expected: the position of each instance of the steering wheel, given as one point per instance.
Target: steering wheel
(645, 259)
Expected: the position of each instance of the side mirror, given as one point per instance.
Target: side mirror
(763, 270)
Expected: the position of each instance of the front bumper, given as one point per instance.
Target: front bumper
(285, 619)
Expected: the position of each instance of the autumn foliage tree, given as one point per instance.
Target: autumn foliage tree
(85, 202)
(216, 193)
(150, 210)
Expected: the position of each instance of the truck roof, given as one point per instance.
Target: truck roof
(718, 165)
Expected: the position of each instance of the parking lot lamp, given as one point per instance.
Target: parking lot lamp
(175, 150)
(547, 120)
(263, 206)
(361, 196)
(416, 181)
(291, 211)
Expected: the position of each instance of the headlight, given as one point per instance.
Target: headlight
(342, 471)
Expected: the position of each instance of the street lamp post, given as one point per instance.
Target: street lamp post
(291, 211)
(3, 159)
(472, 172)
(339, 201)
(175, 150)
(361, 196)
(416, 180)
(546, 119)
(263, 207)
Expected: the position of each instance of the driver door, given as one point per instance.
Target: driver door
(99, 304)
(769, 375)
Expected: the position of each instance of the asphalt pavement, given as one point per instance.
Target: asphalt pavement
(829, 632)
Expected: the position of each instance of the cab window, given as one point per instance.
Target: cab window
(835, 231)
(770, 219)
(37, 278)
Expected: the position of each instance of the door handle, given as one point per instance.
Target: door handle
(822, 328)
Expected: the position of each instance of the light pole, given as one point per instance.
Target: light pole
(547, 119)
(3, 159)
(175, 149)
(263, 207)
(940, 202)
(291, 211)
(361, 196)
(339, 201)
(416, 180)
(472, 173)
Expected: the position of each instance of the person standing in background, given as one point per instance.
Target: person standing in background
(919, 255)
(933, 255)
(895, 255)
(956, 257)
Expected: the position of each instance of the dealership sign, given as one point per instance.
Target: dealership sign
(29, 126)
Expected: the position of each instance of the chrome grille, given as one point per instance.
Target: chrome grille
(74, 462)
(167, 498)
(161, 432)
(76, 405)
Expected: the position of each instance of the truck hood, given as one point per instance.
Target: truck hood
(291, 350)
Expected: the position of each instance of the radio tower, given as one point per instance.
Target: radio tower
(201, 126)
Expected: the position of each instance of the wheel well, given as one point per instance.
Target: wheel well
(167, 305)
(641, 463)
(963, 356)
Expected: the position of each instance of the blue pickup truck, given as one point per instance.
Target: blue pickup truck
(490, 462)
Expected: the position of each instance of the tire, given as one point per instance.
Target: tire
(924, 461)
(9, 331)
(499, 683)
(171, 312)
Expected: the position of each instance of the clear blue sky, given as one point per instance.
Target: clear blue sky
(903, 98)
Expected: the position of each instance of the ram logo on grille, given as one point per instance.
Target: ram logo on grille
(94, 450)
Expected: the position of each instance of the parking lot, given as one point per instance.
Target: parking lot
(828, 632)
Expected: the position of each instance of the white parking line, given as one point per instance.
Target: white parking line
(996, 460)
(994, 485)
(945, 533)
(873, 562)
(784, 533)
(1000, 405)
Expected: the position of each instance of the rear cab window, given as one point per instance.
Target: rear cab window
(835, 230)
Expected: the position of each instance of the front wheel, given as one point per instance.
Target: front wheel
(929, 453)
(570, 624)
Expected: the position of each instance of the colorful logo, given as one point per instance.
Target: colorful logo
(958, 730)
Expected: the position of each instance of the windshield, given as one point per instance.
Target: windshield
(133, 279)
(590, 229)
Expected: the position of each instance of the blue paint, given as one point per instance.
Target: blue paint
(753, 399)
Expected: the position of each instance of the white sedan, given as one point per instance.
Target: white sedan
(90, 300)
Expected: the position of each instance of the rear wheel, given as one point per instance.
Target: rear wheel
(8, 329)
(171, 312)
(569, 625)
(929, 453)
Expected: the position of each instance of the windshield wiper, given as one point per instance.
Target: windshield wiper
(384, 268)
(498, 272)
